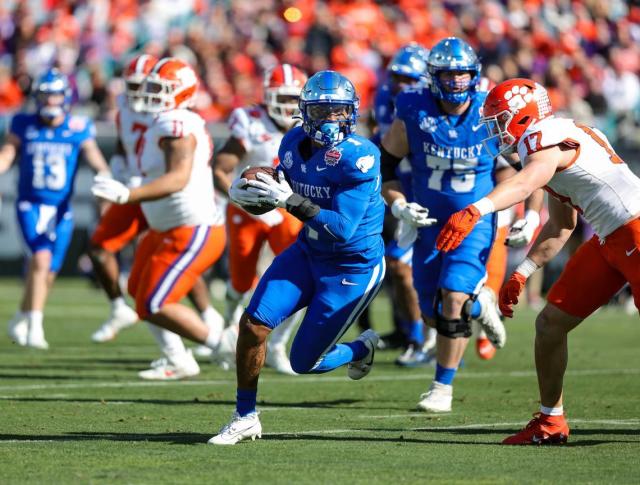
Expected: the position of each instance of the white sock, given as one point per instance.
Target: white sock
(281, 334)
(481, 334)
(34, 320)
(170, 343)
(431, 334)
(212, 317)
(559, 411)
(117, 303)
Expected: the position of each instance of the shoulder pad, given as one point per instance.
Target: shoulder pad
(360, 159)
(544, 134)
(177, 123)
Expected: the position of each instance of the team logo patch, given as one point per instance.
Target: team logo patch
(333, 156)
(365, 163)
(288, 159)
(428, 124)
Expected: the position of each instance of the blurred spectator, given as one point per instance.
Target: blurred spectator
(586, 52)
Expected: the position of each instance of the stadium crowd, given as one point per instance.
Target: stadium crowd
(587, 52)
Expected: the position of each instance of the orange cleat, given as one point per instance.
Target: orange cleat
(541, 430)
(485, 349)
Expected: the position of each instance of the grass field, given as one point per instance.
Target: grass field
(78, 414)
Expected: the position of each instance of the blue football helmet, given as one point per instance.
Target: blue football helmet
(52, 82)
(410, 61)
(324, 95)
(453, 54)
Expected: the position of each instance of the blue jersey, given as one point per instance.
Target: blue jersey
(384, 114)
(450, 166)
(345, 182)
(48, 156)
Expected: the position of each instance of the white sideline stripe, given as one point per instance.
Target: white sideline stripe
(306, 380)
(614, 422)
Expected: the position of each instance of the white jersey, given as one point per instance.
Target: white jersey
(194, 205)
(597, 182)
(259, 136)
(131, 127)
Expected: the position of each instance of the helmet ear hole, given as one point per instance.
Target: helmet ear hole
(524, 120)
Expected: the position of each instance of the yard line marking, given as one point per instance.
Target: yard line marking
(304, 379)
(614, 422)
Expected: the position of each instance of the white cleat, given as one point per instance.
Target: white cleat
(203, 351)
(277, 359)
(360, 368)
(123, 317)
(171, 368)
(239, 428)
(18, 328)
(437, 399)
(489, 318)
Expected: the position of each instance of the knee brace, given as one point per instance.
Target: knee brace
(455, 327)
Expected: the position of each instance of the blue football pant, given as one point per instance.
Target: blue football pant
(334, 299)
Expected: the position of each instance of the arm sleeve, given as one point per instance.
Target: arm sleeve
(349, 206)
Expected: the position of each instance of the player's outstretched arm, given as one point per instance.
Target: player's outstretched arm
(538, 170)
(393, 148)
(94, 157)
(8, 152)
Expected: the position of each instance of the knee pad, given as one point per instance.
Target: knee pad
(455, 327)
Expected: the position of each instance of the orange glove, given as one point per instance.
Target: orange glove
(509, 293)
(457, 228)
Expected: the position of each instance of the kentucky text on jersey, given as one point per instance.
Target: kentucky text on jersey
(313, 191)
(473, 151)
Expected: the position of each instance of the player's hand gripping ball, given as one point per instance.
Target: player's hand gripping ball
(247, 199)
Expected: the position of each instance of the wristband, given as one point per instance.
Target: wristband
(397, 205)
(527, 268)
(485, 206)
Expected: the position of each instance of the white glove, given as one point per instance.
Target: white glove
(110, 189)
(406, 234)
(412, 213)
(271, 218)
(522, 231)
(271, 191)
(239, 194)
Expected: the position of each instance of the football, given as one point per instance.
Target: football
(250, 174)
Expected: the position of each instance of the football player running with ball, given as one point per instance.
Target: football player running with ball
(437, 127)
(329, 178)
(47, 145)
(186, 235)
(578, 168)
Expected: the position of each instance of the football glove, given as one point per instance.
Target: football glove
(110, 189)
(459, 225)
(271, 191)
(522, 231)
(239, 194)
(412, 213)
(510, 292)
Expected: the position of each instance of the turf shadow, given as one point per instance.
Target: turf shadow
(176, 438)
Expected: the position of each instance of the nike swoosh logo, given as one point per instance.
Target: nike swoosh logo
(630, 252)
(477, 127)
(348, 283)
(318, 169)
